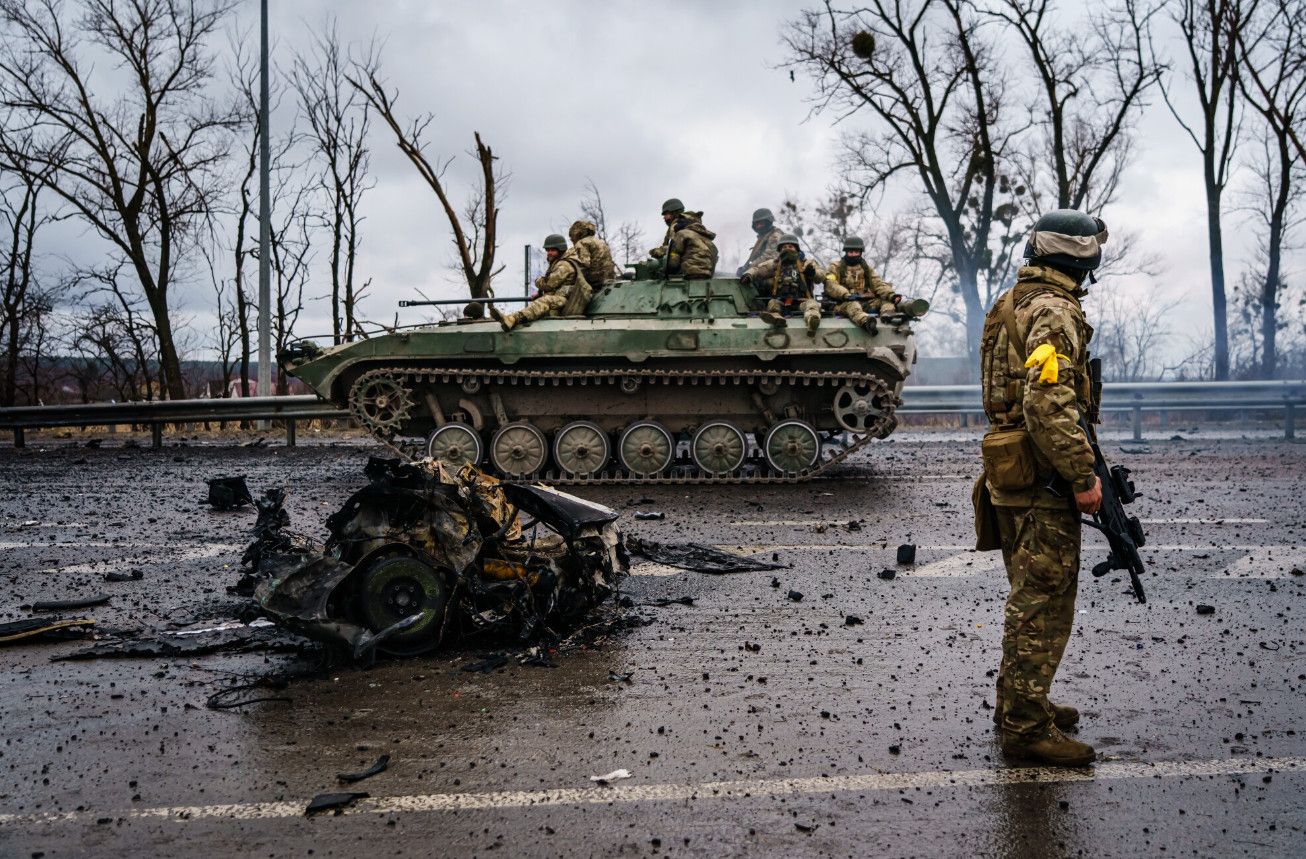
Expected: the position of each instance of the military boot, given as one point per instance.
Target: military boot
(770, 317)
(508, 321)
(1052, 747)
(1063, 715)
(870, 324)
(813, 322)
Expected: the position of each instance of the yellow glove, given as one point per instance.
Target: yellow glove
(832, 277)
(1047, 356)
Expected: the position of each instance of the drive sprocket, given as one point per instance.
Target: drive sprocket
(381, 402)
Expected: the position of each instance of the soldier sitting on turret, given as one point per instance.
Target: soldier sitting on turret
(787, 282)
(563, 289)
(851, 281)
(593, 254)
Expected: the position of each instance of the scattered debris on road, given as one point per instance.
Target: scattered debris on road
(607, 778)
(907, 554)
(888, 574)
(1202, 608)
(697, 557)
(336, 802)
(228, 493)
(649, 516)
(69, 604)
(377, 767)
(44, 628)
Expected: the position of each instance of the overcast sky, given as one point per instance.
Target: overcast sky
(649, 100)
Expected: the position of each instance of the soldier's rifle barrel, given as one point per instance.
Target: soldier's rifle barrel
(449, 302)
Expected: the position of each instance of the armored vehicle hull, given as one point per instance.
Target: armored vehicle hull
(662, 381)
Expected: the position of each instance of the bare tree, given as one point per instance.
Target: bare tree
(291, 247)
(142, 167)
(1208, 29)
(628, 242)
(1092, 81)
(338, 119)
(1274, 84)
(936, 94)
(1129, 335)
(1273, 54)
(21, 216)
(591, 208)
(475, 229)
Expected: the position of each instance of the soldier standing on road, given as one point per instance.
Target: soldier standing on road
(851, 281)
(1038, 475)
(563, 289)
(787, 281)
(767, 246)
(593, 254)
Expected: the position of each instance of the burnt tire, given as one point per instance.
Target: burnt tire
(396, 587)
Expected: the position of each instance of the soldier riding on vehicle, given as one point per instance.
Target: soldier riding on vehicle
(593, 254)
(563, 289)
(787, 282)
(855, 285)
(767, 245)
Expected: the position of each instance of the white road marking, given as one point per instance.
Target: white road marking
(838, 523)
(175, 555)
(1266, 562)
(763, 788)
(1266, 565)
(1229, 521)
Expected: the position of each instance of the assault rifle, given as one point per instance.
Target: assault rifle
(1123, 532)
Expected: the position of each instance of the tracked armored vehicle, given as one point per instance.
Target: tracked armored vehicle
(661, 381)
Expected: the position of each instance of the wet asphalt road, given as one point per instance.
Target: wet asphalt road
(752, 725)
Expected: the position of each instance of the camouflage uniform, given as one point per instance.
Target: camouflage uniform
(691, 252)
(765, 249)
(787, 284)
(1039, 529)
(563, 289)
(592, 253)
(845, 281)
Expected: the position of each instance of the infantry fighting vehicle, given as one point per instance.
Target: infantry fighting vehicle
(663, 380)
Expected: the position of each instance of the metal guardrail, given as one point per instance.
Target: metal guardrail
(1135, 397)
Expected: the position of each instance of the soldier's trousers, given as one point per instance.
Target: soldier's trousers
(1040, 548)
(569, 301)
(810, 307)
(856, 313)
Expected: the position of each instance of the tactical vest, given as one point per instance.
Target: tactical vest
(578, 297)
(789, 283)
(1002, 360)
(841, 272)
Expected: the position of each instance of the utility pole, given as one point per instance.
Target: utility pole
(264, 222)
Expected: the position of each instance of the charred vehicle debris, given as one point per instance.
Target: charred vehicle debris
(422, 555)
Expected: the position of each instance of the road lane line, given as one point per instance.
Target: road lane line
(212, 550)
(762, 788)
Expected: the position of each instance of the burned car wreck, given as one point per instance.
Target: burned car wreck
(421, 555)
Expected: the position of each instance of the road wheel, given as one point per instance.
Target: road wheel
(792, 446)
(646, 448)
(519, 449)
(581, 449)
(397, 587)
(455, 445)
(719, 448)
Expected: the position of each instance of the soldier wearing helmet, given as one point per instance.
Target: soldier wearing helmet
(768, 240)
(671, 210)
(1038, 475)
(856, 286)
(593, 254)
(787, 282)
(562, 289)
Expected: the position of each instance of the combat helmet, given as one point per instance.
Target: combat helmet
(1067, 238)
(788, 239)
(555, 242)
(673, 207)
(581, 230)
(763, 215)
(853, 243)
